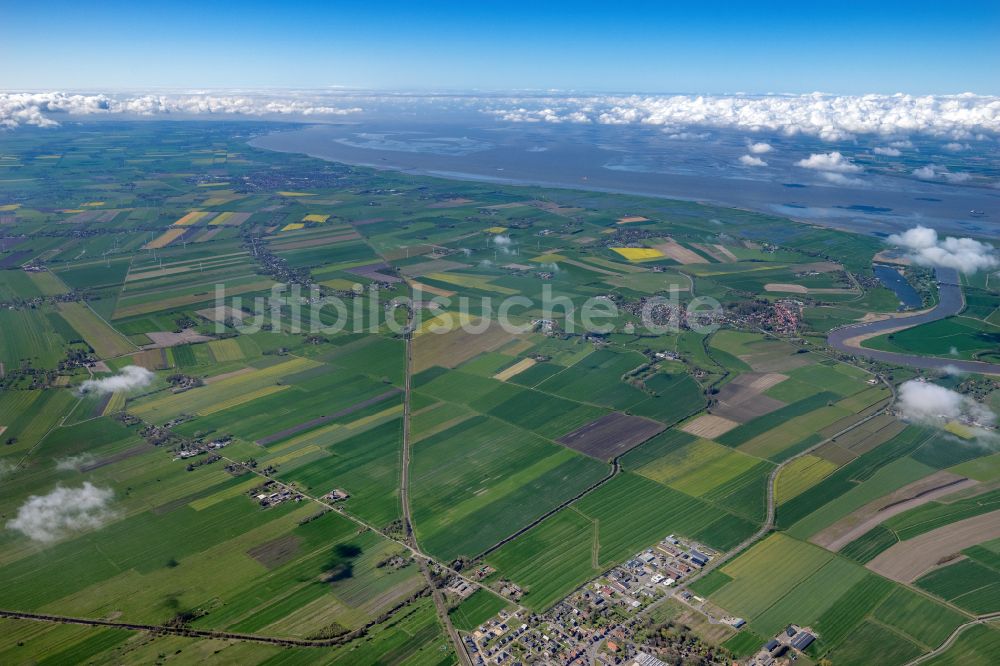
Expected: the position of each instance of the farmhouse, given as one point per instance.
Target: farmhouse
(336, 495)
(792, 637)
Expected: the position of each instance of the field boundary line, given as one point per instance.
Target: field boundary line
(159, 629)
(982, 619)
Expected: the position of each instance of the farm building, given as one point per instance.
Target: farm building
(802, 640)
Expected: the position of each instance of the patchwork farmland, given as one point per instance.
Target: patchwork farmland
(368, 480)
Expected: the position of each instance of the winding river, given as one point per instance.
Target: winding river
(848, 339)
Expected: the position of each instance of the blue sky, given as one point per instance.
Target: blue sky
(709, 47)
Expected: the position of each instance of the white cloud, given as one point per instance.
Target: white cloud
(50, 517)
(841, 179)
(967, 255)
(957, 118)
(933, 172)
(917, 238)
(888, 151)
(45, 109)
(759, 148)
(830, 117)
(833, 162)
(930, 404)
(955, 146)
(6, 468)
(750, 160)
(74, 463)
(688, 136)
(955, 177)
(128, 378)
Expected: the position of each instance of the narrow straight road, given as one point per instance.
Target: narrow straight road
(404, 496)
(176, 631)
(404, 481)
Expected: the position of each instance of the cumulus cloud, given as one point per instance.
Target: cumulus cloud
(50, 517)
(832, 162)
(751, 160)
(841, 179)
(930, 404)
(759, 148)
(128, 378)
(830, 117)
(955, 146)
(6, 468)
(888, 151)
(924, 247)
(46, 108)
(934, 172)
(74, 463)
(956, 177)
(688, 136)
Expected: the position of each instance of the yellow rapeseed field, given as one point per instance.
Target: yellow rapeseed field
(193, 217)
(168, 237)
(638, 253)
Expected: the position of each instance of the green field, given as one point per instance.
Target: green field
(550, 560)
(698, 468)
(872, 639)
(887, 479)
(617, 520)
(106, 341)
(847, 478)
(476, 609)
(956, 337)
(976, 646)
(471, 484)
(924, 621)
(29, 337)
(757, 583)
(968, 584)
(811, 598)
(148, 504)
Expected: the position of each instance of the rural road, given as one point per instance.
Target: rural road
(764, 530)
(157, 629)
(950, 302)
(768, 524)
(982, 619)
(404, 481)
(404, 496)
